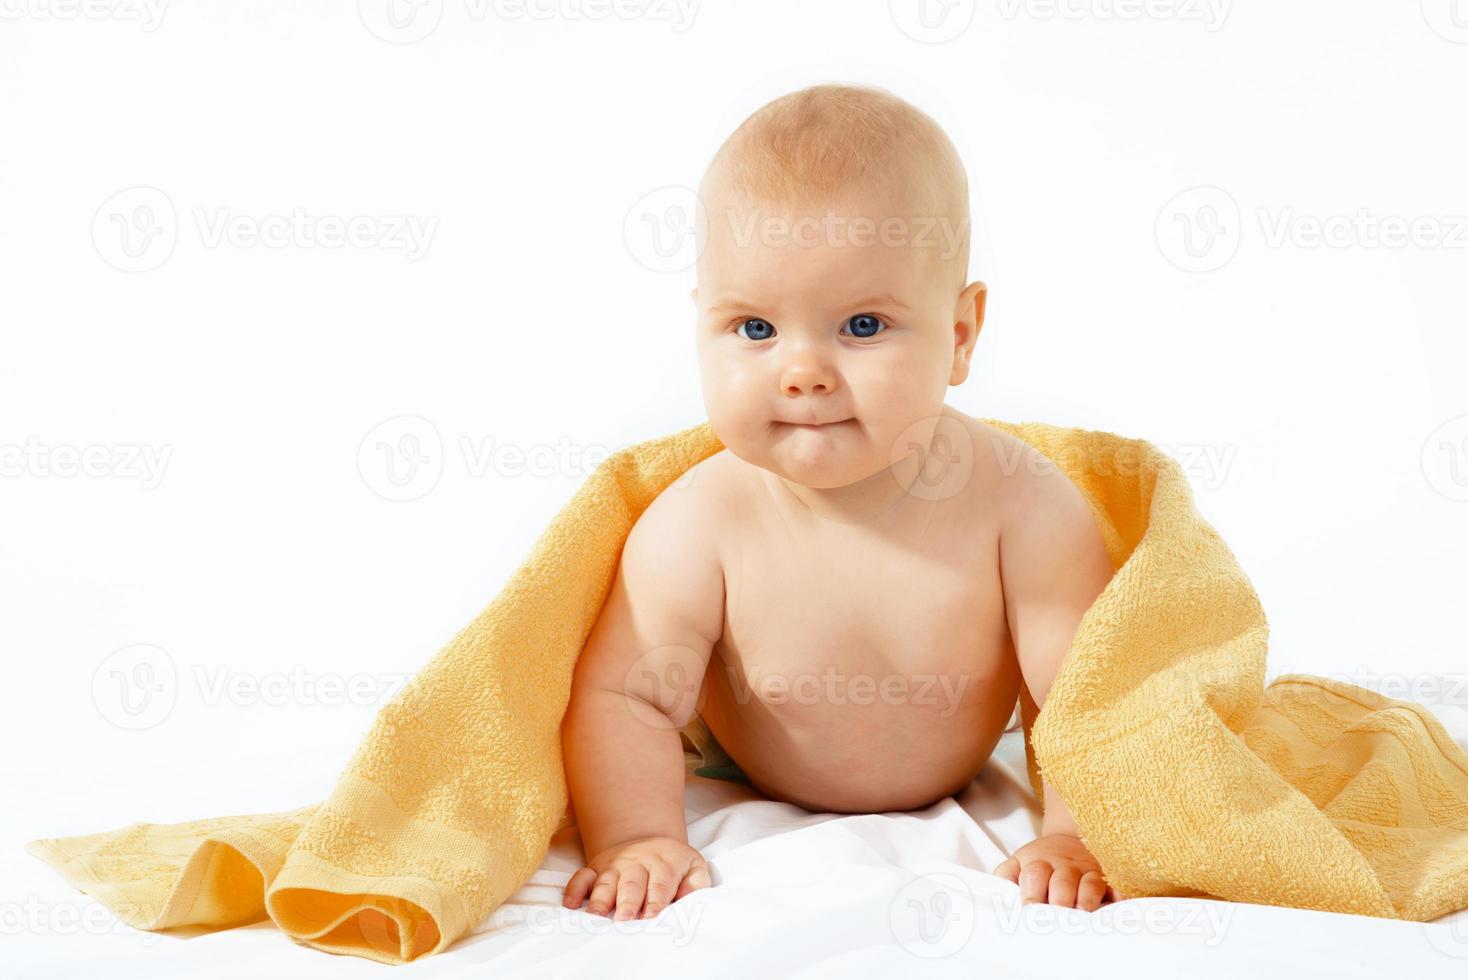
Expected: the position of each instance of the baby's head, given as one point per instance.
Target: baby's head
(832, 284)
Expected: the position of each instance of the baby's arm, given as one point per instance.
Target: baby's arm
(636, 685)
(1053, 566)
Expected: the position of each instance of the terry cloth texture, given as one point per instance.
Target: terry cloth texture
(1184, 773)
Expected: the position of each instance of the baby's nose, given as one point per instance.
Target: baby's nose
(806, 386)
(806, 374)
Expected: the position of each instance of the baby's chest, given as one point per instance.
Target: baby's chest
(873, 608)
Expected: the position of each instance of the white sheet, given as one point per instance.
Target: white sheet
(796, 894)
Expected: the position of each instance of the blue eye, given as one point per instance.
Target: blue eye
(758, 326)
(864, 325)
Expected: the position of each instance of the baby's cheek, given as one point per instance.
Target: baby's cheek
(736, 426)
(898, 395)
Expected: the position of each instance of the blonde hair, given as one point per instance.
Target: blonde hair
(815, 143)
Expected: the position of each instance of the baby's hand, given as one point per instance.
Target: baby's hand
(660, 869)
(1058, 865)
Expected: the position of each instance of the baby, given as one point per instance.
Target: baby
(849, 593)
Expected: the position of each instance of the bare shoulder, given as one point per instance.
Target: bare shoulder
(666, 603)
(1002, 472)
(681, 523)
(1047, 531)
(1022, 483)
(674, 551)
(696, 505)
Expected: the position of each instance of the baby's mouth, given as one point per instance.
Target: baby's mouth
(816, 425)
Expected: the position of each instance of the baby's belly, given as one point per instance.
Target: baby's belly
(860, 740)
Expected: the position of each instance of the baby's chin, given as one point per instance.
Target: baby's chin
(820, 457)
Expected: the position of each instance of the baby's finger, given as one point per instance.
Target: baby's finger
(1034, 880)
(696, 878)
(1063, 886)
(577, 888)
(1112, 895)
(662, 882)
(1091, 891)
(604, 893)
(1009, 869)
(630, 889)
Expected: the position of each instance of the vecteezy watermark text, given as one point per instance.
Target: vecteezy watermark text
(410, 21)
(1212, 14)
(667, 229)
(677, 923)
(128, 461)
(1362, 229)
(832, 230)
(35, 916)
(937, 914)
(147, 14)
(138, 228)
(835, 687)
(403, 458)
(1202, 229)
(137, 687)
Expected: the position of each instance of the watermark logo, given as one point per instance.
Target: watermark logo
(1445, 459)
(1199, 230)
(662, 686)
(933, 457)
(1449, 938)
(932, 21)
(932, 916)
(400, 21)
(660, 229)
(1448, 19)
(402, 458)
(136, 229)
(135, 687)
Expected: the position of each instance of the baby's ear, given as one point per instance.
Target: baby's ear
(693, 295)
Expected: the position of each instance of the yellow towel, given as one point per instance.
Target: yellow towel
(1184, 774)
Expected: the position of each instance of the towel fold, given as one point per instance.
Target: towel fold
(1184, 773)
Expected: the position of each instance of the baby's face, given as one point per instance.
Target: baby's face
(806, 317)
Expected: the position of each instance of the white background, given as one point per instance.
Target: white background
(1315, 392)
